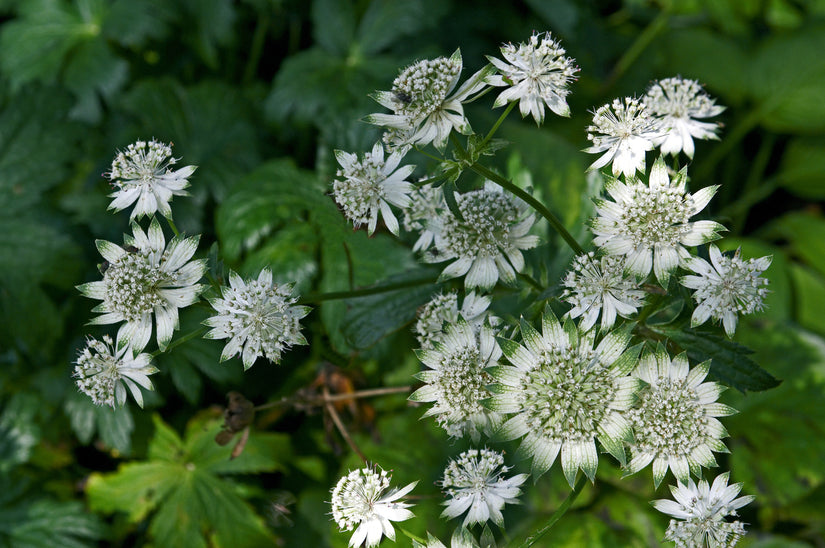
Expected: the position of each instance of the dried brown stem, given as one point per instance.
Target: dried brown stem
(340, 426)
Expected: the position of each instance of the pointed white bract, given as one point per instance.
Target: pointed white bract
(443, 309)
(457, 379)
(650, 223)
(674, 422)
(462, 538)
(360, 501)
(564, 393)
(370, 185)
(623, 131)
(146, 277)
(104, 373)
(485, 245)
(700, 512)
(258, 317)
(474, 484)
(679, 104)
(423, 111)
(596, 286)
(142, 176)
(725, 287)
(536, 74)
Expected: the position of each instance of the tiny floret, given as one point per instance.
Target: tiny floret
(143, 278)
(536, 75)
(700, 512)
(650, 223)
(360, 502)
(424, 214)
(674, 422)
(443, 309)
(474, 484)
(678, 104)
(624, 131)
(104, 373)
(369, 185)
(726, 287)
(258, 317)
(142, 174)
(596, 286)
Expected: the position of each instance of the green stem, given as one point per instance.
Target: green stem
(256, 48)
(557, 515)
(754, 179)
(498, 123)
(533, 202)
(180, 341)
(315, 298)
(172, 226)
(649, 309)
(632, 53)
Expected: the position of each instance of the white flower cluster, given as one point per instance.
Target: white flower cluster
(104, 373)
(443, 309)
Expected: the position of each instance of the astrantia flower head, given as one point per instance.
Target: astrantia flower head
(142, 174)
(360, 502)
(487, 242)
(675, 423)
(678, 103)
(148, 277)
(424, 214)
(565, 392)
(443, 308)
(650, 224)
(537, 74)
(726, 287)
(473, 481)
(258, 317)
(457, 379)
(103, 373)
(601, 285)
(370, 185)
(422, 111)
(700, 512)
(624, 131)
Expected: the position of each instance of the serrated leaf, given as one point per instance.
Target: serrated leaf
(44, 522)
(730, 362)
(290, 253)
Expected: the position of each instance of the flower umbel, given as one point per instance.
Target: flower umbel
(457, 379)
(370, 185)
(104, 373)
(726, 287)
(424, 214)
(600, 285)
(675, 423)
(142, 174)
(564, 394)
(144, 278)
(258, 317)
(487, 242)
(677, 103)
(702, 510)
(473, 481)
(443, 308)
(624, 131)
(537, 74)
(359, 502)
(650, 224)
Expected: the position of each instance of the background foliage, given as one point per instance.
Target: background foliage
(258, 93)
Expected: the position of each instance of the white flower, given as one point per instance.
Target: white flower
(473, 481)
(596, 286)
(422, 111)
(144, 278)
(650, 224)
(674, 422)
(703, 510)
(258, 318)
(677, 103)
(462, 538)
(565, 394)
(369, 185)
(103, 373)
(538, 74)
(486, 244)
(443, 308)
(624, 131)
(424, 214)
(457, 379)
(726, 287)
(142, 174)
(358, 500)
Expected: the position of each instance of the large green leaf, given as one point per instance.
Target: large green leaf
(803, 168)
(43, 523)
(805, 233)
(19, 431)
(113, 426)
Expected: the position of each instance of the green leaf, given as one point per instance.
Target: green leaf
(208, 25)
(19, 431)
(803, 168)
(132, 23)
(386, 22)
(40, 523)
(809, 293)
(291, 254)
(114, 426)
(805, 233)
(333, 25)
(730, 362)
